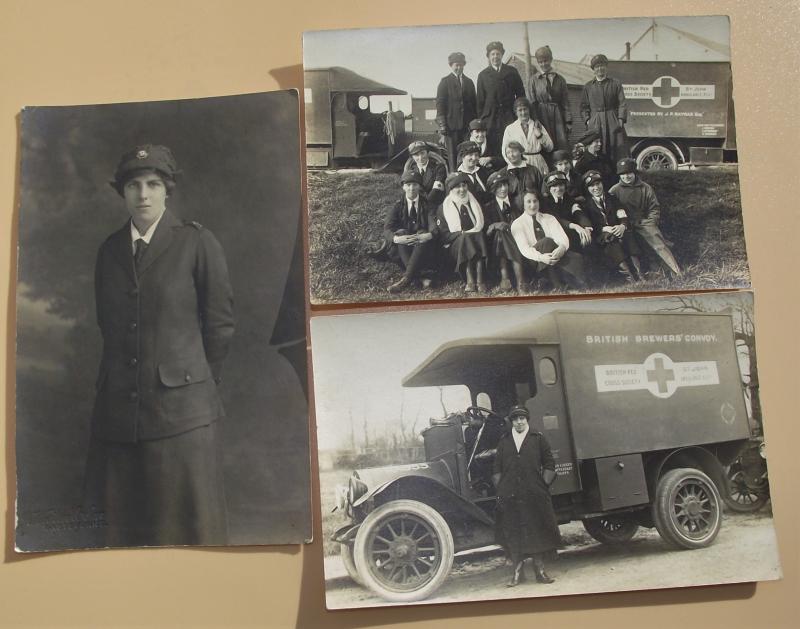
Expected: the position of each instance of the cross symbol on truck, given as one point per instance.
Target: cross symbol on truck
(666, 91)
(660, 374)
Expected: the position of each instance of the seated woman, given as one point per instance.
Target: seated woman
(459, 222)
(432, 172)
(477, 133)
(477, 176)
(407, 231)
(611, 228)
(499, 213)
(567, 210)
(593, 158)
(521, 176)
(544, 245)
(531, 134)
(562, 162)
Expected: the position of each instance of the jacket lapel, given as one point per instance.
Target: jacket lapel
(122, 249)
(160, 242)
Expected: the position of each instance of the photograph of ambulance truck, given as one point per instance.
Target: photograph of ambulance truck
(644, 405)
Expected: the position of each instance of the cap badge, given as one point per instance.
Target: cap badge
(141, 154)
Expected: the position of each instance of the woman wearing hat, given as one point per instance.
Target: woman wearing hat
(521, 175)
(639, 198)
(526, 525)
(499, 85)
(530, 134)
(165, 311)
(612, 230)
(499, 213)
(594, 158)
(407, 232)
(431, 172)
(477, 176)
(567, 210)
(562, 162)
(455, 105)
(549, 96)
(477, 134)
(604, 109)
(459, 223)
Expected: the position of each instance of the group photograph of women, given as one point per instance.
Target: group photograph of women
(528, 184)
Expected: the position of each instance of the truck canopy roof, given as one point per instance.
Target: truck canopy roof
(343, 80)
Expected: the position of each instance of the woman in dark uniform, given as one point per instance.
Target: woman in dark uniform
(524, 469)
(459, 223)
(165, 312)
(499, 213)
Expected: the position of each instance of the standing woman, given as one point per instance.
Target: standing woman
(460, 226)
(549, 96)
(524, 469)
(499, 84)
(604, 109)
(531, 134)
(165, 312)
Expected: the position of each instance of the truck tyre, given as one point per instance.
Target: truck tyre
(656, 157)
(403, 551)
(687, 509)
(743, 497)
(611, 529)
(346, 552)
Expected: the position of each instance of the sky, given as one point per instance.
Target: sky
(360, 360)
(415, 58)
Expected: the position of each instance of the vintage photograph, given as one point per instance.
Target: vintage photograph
(541, 449)
(524, 158)
(161, 352)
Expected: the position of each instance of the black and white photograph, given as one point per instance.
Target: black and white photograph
(541, 449)
(522, 158)
(161, 341)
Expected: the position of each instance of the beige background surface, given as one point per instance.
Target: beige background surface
(109, 51)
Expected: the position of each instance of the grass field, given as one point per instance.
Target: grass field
(701, 214)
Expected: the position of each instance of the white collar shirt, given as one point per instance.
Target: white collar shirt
(519, 437)
(147, 236)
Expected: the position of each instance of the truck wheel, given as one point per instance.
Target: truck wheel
(687, 509)
(742, 497)
(346, 552)
(656, 158)
(611, 529)
(403, 551)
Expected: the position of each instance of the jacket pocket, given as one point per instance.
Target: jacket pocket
(183, 373)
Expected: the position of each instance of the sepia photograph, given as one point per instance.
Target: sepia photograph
(541, 449)
(525, 158)
(161, 345)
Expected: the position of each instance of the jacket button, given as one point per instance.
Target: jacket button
(134, 395)
(188, 377)
(132, 326)
(133, 362)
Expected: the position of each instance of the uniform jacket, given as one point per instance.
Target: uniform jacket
(493, 214)
(432, 180)
(166, 331)
(455, 103)
(521, 179)
(603, 107)
(600, 163)
(397, 218)
(497, 91)
(477, 183)
(565, 211)
(550, 99)
(612, 214)
(639, 199)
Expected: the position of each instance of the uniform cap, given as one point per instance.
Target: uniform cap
(456, 57)
(590, 137)
(145, 157)
(410, 176)
(561, 156)
(477, 125)
(465, 148)
(495, 45)
(554, 178)
(626, 165)
(416, 147)
(519, 411)
(454, 179)
(598, 60)
(591, 177)
(495, 179)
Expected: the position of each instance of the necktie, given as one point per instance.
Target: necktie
(140, 246)
(537, 229)
(413, 212)
(466, 219)
(549, 77)
(505, 211)
(525, 129)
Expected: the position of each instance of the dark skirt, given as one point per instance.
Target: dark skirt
(160, 492)
(503, 246)
(467, 247)
(616, 251)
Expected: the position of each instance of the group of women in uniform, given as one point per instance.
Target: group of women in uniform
(515, 203)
